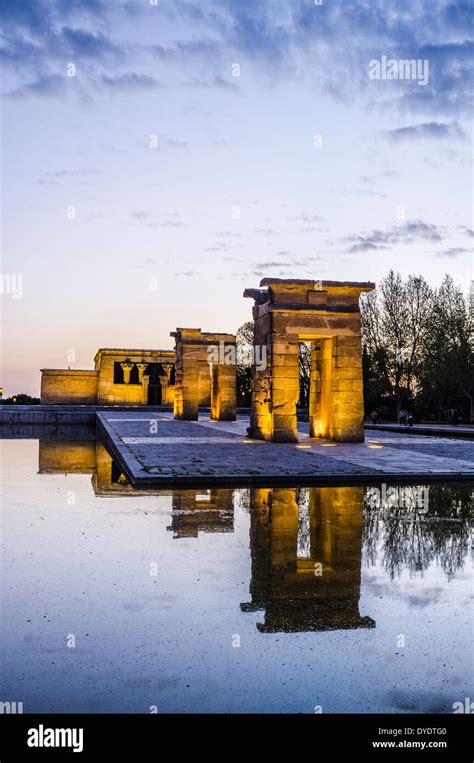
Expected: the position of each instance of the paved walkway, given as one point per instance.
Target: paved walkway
(158, 451)
(466, 431)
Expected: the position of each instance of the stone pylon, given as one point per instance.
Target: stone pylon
(205, 374)
(326, 314)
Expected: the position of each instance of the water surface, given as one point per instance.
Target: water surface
(258, 600)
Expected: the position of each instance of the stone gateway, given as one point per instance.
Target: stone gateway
(325, 314)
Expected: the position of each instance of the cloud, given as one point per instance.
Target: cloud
(69, 173)
(150, 220)
(129, 81)
(50, 85)
(291, 263)
(80, 43)
(198, 48)
(359, 192)
(366, 246)
(467, 231)
(172, 224)
(426, 131)
(53, 85)
(55, 177)
(405, 233)
(454, 252)
(309, 218)
(291, 38)
(142, 215)
(267, 232)
(219, 246)
(228, 234)
(217, 83)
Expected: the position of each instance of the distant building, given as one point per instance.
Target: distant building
(120, 377)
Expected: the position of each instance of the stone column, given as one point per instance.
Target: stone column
(315, 427)
(164, 387)
(126, 366)
(347, 416)
(167, 367)
(261, 416)
(186, 401)
(145, 383)
(285, 388)
(223, 392)
(326, 374)
(143, 380)
(204, 381)
(166, 392)
(141, 370)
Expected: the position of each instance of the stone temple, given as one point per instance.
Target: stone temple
(201, 370)
(326, 314)
(120, 377)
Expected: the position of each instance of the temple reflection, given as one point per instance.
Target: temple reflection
(307, 545)
(87, 456)
(306, 548)
(195, 511)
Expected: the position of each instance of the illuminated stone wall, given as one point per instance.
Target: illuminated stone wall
(129, 392)
(68, 387)
(326, 314)
(99, 387)
(205, 374)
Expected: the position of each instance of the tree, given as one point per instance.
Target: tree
(394, 326)
(244, 338)
(447, 377)
(304, 364)
(20, 399)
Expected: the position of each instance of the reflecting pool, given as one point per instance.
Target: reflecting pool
(332, 599)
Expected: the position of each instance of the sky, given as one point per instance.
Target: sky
(160, 156)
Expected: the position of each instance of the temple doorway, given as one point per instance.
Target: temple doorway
(154, 372)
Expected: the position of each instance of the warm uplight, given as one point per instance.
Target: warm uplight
(247, 441)
(302, 446)
(328, 444)
(375, 446)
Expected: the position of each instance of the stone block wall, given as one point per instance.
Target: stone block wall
(64, 386)
(203, 376)
(327, 315)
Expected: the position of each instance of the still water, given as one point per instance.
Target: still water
(342, 599)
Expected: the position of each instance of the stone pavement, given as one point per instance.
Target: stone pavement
(157, 451)
(463, 431)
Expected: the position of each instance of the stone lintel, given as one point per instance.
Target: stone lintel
(183, 333)
(284, 307)
(134, 354)
(307, 295)
(72, 371)
(307, 284)
(196, 336)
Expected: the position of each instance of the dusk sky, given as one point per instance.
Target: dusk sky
(145, 185)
